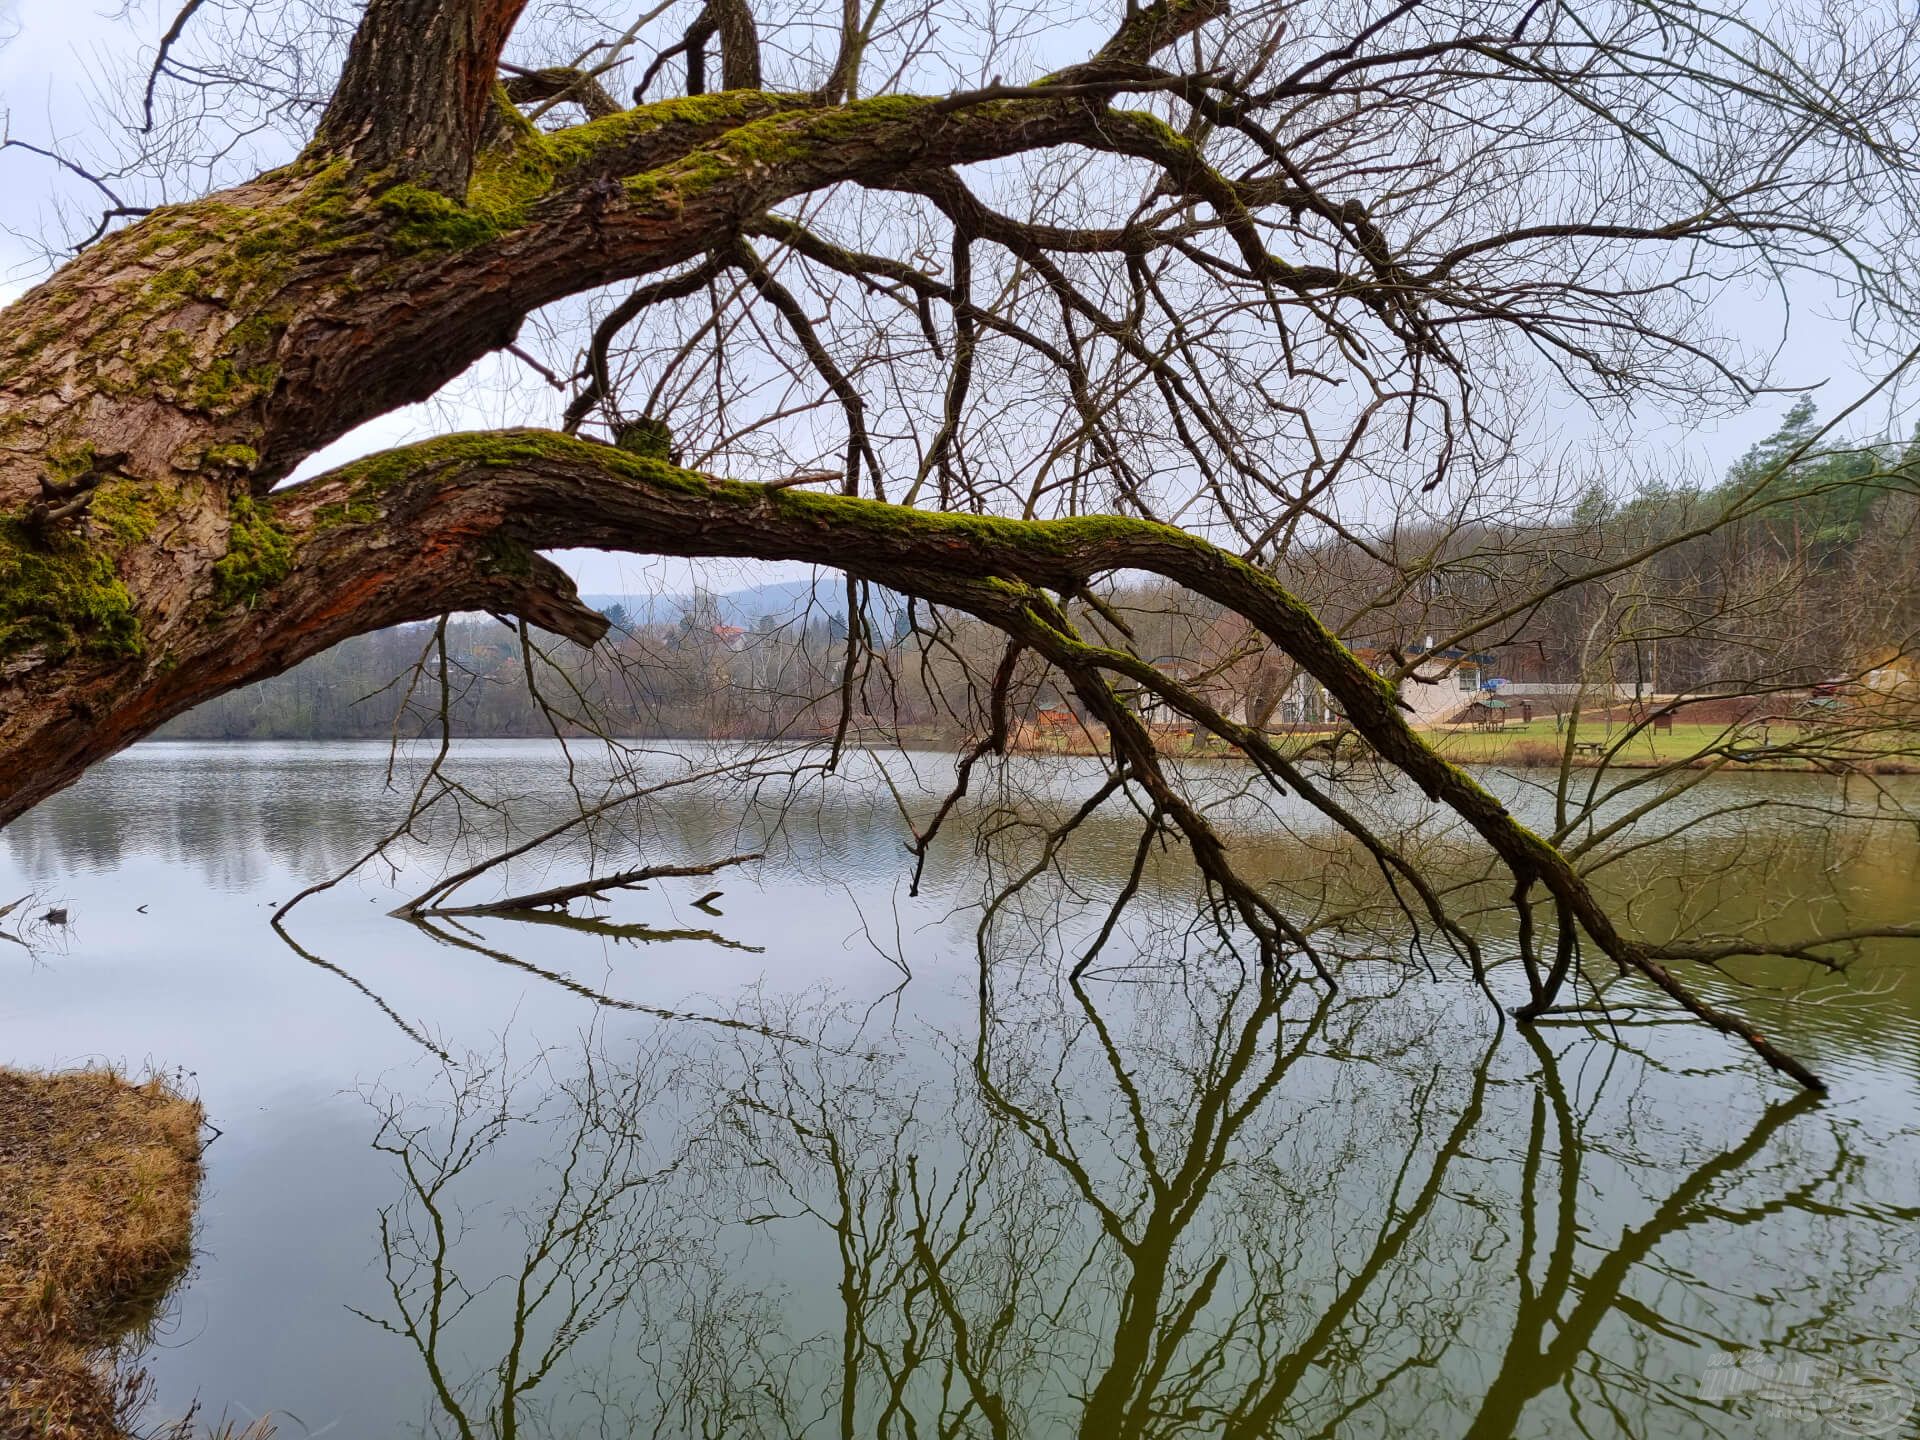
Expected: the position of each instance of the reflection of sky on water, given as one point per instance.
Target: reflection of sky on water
(207, 838)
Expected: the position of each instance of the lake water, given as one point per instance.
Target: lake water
(826, 1157)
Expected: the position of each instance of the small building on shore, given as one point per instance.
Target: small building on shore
(1442, 686)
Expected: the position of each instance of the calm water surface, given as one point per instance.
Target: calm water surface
(801, 1164)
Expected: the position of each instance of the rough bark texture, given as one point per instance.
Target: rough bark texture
(418, 83)
(154, 391)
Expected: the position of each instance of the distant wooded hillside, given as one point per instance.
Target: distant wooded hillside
(1784, 573)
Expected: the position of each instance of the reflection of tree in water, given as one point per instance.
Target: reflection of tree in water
(1160, 1208)
(303, 812)
(233, 813)
(590, 1239)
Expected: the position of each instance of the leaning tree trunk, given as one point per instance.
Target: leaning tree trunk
(155, 391)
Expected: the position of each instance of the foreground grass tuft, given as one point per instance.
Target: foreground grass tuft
(98, 1178)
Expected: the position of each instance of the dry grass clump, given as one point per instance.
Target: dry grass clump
(98, 1178)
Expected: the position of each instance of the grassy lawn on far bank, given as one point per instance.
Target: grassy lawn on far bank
(1539, 743)
(1887, 750)
(1785, 746)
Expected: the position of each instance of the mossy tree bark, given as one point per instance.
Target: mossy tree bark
(156, 390)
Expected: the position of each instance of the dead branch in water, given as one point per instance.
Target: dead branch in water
(560, 895)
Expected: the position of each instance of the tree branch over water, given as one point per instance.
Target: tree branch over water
(1260, 307)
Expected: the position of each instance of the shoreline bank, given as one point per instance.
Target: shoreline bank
(99, 1180)
(1472, 749)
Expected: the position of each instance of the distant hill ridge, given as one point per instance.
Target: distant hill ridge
(824, 598)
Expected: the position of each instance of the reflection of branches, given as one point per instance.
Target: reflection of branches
(1151, 1210)
(1559, 1313)
(8, 909)
(406, 1029)
(607, 929)
(470, 941)
(589, 1240)
(1266, 1398)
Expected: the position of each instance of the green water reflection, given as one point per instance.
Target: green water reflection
(826, 1164)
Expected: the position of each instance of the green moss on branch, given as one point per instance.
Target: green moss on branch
(511, 177)
(130, 511)
(259, 556)
(59, 594)
(230, 457)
